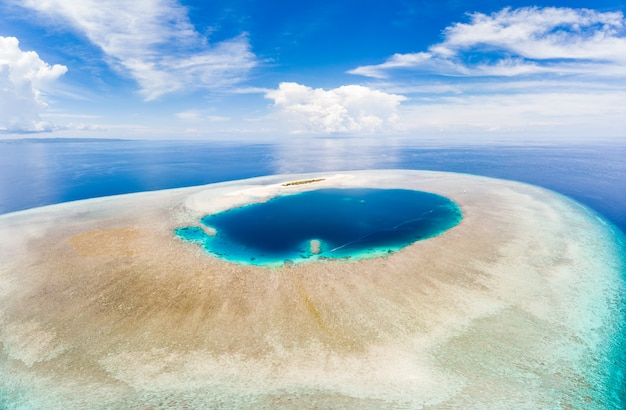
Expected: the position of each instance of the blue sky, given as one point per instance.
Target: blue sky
(167, 69)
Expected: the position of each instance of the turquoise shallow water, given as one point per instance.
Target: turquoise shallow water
(615, 361)
(346, 223)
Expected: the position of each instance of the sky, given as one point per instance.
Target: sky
(266, 69)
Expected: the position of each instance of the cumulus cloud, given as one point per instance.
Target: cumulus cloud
(346, 109)
(22, 77)
(154, 42)
(523, 41)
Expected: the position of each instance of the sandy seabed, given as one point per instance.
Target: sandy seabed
(519, 306)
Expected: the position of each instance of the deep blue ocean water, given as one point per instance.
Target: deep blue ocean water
(345, 223)
(40, 172)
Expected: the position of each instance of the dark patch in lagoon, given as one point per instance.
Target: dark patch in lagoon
(327, 223)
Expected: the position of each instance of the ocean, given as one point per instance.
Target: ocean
(38, 172)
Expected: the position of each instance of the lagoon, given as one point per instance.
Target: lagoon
(352, 223)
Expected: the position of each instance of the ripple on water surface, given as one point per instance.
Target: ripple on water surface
(352, 223)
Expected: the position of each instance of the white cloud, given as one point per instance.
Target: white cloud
(522, 41)
(346, 109)
(22, 77)
(191, 115)
(154, 42)
(197, 115)
(529, 72)
(555, 114)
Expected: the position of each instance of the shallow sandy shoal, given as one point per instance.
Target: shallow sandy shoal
(103, 306)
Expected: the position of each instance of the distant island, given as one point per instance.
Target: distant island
(57, 140)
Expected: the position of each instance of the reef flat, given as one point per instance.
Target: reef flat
(520, 305)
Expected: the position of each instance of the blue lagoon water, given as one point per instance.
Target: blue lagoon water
(344, 223)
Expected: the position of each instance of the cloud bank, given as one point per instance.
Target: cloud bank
(557, 72)
(22, 77)
(346, 109)
(154, 42)
(551, 114)
(523, 41)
